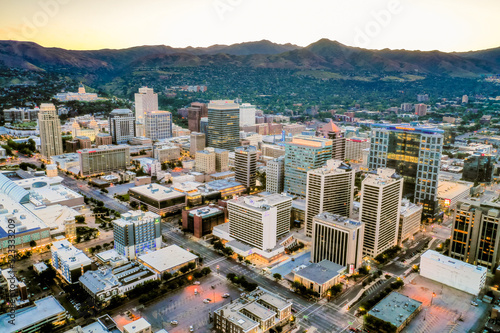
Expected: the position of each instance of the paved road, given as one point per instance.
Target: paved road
(83, 188)
(326, 318)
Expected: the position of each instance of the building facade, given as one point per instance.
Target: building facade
(409, 220)
(302, 154)
(415, 154)
(146, 100)
(223, 124)
(195, 112)
(137, 232)
(329, 189)
(158, 125)
(475, 237)
(381, 194)
(201, 220)
(337, 136)
(247, 114)
(122, 125)
(479, 168)
(205, 161)
(69, 261)
(354, 148)
(453, 273)
(245, 163)
(104, 159)
(50, 131)
(197, 142)
(275, 175)
(337, 239)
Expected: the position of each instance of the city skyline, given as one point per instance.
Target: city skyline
(377, 25)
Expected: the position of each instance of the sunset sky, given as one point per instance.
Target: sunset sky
(446, 25)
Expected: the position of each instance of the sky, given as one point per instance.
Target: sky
(445, 25)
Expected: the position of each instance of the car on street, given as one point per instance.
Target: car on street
(196, 282)
(226, 295)
(191, 329)
(174, 322)
(473, 303)
(207, 300)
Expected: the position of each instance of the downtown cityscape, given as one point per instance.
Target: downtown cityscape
(165, 167)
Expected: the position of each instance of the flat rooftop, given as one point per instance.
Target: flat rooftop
(409, 208)
(381, 177)
(54, 216)
(42, 309)
(261, 203)
(338, 220)
(103, 148)
(206, 211)
(156, 191)
(449, 190)
(259, 311)
(222, 184)
(70, 254)
(167, 258)
(136, 217)
(332, 167)
(395, 308)
(137, 326)
(310, 141)
(457, 265)
(321, 272)
(25, 220)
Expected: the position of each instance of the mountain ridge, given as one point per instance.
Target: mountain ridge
(323, 54)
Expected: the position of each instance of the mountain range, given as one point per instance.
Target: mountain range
(325, 55)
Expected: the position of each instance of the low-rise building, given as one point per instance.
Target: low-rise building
(167, 260)
(257, 312)
(165, 153)
(69, 261)
(320, 276)
(140, 325)
(453, 272)
(201, 220)
(451, 192)
(407, 309)
(106, 282)
(31, 319)
(158, 198)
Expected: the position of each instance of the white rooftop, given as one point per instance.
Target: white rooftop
(136, 217)
(156, 191)
(43, 309)
(136, 326)
(455, 263)
(167, 258)
(24, 219)
(70, 254)
(54, 216)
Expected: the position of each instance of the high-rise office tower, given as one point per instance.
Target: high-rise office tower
(475, 236)
(275, 175)
(136, 233)
(223, 124)
(329, 189)
(197, 142)
(479, 168)
(379, 210)
(204, 128)
(415, 154)
(195, 112)
(302, 154)
(146, 100)
(420, 109)
(335, 133)
(337, 239)
(247, 114)
(158, 125)
(354, 148)
(50, 131)
(245, 163)
(122, 125)
(259, 221)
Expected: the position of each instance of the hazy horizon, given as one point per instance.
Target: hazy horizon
(424, 25)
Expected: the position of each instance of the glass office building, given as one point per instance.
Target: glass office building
(415, 154)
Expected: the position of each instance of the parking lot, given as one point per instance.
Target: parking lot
(450, 310)
(186, 307)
